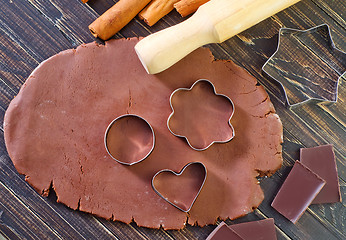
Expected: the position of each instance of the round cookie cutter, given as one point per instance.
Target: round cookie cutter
(129, 139)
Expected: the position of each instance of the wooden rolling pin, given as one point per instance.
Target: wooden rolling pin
(214, 22)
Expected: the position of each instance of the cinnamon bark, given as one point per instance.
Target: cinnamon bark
(116, 18)
(186, 7)
(156, 10)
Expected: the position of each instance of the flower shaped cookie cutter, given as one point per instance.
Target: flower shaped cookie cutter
(307, 65)
(201, 116)
(129, 139)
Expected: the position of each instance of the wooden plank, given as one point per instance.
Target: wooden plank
(332, 223)
(326, 125)
(307, 136)
(149, 233)
(12, 40)
(14, 228)
(16, 63)
(121, 230)
(101, 6)
(252, 57)
(25, 26)
(20, 200)
(54, 14)
(26, 38)
(292, 143)
(315, 134)
(255, 46)
(307, 65)
(62, 220)
(307, 14)
(312, 225)
(86, 225)
(72, 21)
(335, 9)
(337, 111)
(304, 136)
(17, 216)
(5, 231)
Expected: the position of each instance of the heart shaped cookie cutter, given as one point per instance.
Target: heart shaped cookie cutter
(180, 189)
(129, 139)
(208, 113)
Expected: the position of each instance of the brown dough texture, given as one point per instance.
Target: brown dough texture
(54, 133)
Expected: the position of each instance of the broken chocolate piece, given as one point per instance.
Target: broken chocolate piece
(297, 192)
(321, 160)
(223, 232)
(256, 230)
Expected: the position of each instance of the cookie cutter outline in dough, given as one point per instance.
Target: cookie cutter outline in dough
(115, 121)
(178, 174)
(217, 94)
(331, 46)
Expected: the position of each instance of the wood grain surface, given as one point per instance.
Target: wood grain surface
(33, 30)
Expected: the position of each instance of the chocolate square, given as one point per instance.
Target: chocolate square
(297, 192)
(223, 232)
(256, 230)
(321, 160)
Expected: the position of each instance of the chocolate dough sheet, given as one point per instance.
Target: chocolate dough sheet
(54, 133)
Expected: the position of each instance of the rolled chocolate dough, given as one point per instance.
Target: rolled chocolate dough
(54, 133)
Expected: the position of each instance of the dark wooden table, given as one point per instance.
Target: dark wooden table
(33, 30)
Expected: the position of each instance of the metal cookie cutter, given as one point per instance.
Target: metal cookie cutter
(180, 189)
(129, 139)
(201, 116)
(307, 65)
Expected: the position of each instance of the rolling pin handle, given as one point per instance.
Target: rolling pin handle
(161, 50)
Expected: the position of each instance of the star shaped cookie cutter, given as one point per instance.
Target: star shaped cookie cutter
(307, 65)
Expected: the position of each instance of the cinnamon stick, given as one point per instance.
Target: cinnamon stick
(115, 18)
(186, 7)
(156, 10)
